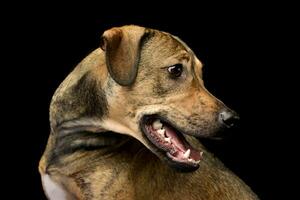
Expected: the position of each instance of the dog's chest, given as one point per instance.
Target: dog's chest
(53, 190)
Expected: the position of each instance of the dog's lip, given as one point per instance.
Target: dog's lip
(173, 153)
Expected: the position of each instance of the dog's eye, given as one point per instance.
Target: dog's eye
(175, 70)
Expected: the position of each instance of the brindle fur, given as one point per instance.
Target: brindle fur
(96, 149)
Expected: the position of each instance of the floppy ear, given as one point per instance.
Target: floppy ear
(122, 48)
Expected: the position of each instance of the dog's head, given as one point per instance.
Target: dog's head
(156, 94)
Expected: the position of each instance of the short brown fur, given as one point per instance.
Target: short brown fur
(96, 149)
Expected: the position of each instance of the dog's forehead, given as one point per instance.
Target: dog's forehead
(163, 47)
(196, 62)
(189, 54)
(179, 46)
(166, 44)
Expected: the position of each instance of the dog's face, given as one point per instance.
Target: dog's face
(160, 97)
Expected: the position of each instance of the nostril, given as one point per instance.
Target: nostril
(229, 118)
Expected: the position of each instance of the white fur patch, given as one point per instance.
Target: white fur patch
(53, 190)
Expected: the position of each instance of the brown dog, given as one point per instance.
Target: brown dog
(124, 122)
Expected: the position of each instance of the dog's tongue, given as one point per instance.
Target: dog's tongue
(167, 137)
(181, 145)
(175, 139)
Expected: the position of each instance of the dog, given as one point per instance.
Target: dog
(125, 122)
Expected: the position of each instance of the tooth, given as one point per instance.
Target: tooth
(194, 161)
(157, 124)
(168, 140)
(201, 153)
(187, 154)
(161, 132)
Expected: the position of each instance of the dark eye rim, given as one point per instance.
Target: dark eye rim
(177, 73)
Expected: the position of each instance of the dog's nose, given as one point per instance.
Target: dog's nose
(228, 117)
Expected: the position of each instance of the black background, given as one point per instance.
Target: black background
(241, 47)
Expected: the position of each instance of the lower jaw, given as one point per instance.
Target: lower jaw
(181, 166)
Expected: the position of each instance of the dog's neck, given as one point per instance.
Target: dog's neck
(79, 109)
(79, 102)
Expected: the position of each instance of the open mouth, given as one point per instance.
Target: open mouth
(171, 142)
